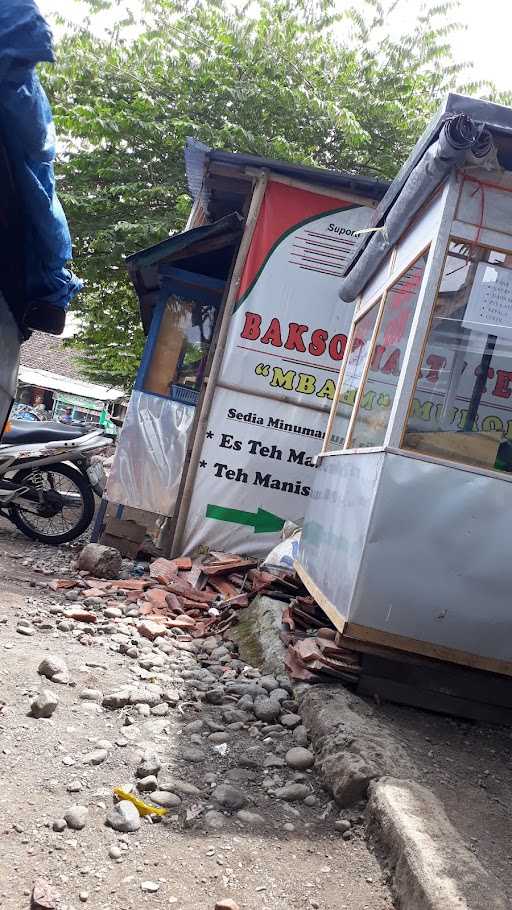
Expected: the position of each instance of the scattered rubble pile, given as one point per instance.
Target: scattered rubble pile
(314, 653)
(198, 598)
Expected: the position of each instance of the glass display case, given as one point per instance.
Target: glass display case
(405, 541)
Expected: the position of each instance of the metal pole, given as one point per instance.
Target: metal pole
(211, 380)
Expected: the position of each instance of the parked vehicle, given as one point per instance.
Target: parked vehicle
(47, 478)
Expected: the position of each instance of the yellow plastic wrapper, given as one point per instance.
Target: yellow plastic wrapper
(142, 807)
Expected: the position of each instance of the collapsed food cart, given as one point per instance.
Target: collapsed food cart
(406, 536)
(244, 341)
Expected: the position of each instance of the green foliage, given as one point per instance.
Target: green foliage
(289, 79)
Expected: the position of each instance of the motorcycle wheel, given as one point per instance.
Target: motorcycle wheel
(70, 520)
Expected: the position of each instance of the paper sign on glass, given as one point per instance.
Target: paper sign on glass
(489, 306)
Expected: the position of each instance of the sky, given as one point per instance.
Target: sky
(486, 42)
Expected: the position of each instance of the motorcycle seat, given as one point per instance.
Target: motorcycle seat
(24, 432)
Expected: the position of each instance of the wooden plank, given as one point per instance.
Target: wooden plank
(353, 632)
(404, 694)
(322, 601)
(447, 679)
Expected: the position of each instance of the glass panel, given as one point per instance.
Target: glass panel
(461, 409)
(356, 359)
(181, 350)
(370, 425)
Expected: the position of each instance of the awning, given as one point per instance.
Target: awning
(46, 380)
(207, 250)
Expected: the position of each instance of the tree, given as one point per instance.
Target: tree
(292, 80)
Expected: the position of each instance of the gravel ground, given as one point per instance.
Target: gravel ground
(283, 855)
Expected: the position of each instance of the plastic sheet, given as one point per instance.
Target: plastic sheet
(149, 459)
(29, 136)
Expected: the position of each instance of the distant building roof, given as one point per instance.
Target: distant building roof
(46, 352)
(47, 363)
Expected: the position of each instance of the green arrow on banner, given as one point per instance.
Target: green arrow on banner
(263, 522)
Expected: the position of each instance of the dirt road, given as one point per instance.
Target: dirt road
(240, 840)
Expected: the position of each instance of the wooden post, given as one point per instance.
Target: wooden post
(211, 380)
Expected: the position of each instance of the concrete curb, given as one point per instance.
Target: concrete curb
(431, 868)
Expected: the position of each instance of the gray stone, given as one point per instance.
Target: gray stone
(150, 887)
(279, 695)
(192, 754)
(100, 561)
(165, 799)
(146, 695)
(74, 786)
(209, 644)
(250, 818)
(65, 625)
(342, 825)
(118, 699)
(114, 852)
(246, 703)
(124, 817)
(229, 797)
(269, 683)
(179, 786)
(90, 695)
(300, 735)
(113, 613)
(44, 705)
(234, 715)
(53, 666)
(96, 757)
(241, 688)
(149, 765)
(292, 793)
(160, 710)
(59, 825)
(221, 736)
(76, 817)
(194, 727)
(291, 721)
(299, 758)
(266, 709)
(215, 695)
(214, 821)
(147, 784)
(274, 761)
(310, 801)
(143, 710)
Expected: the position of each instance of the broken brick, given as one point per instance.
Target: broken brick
(82, 616)
(62, 584)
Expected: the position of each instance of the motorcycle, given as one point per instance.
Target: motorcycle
(47, 478)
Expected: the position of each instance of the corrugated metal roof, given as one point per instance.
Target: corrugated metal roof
(198, 155)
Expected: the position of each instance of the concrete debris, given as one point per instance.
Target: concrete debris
(431, 867)
(43, 896)
(100, 561)
(54, 668)
(124, 817)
